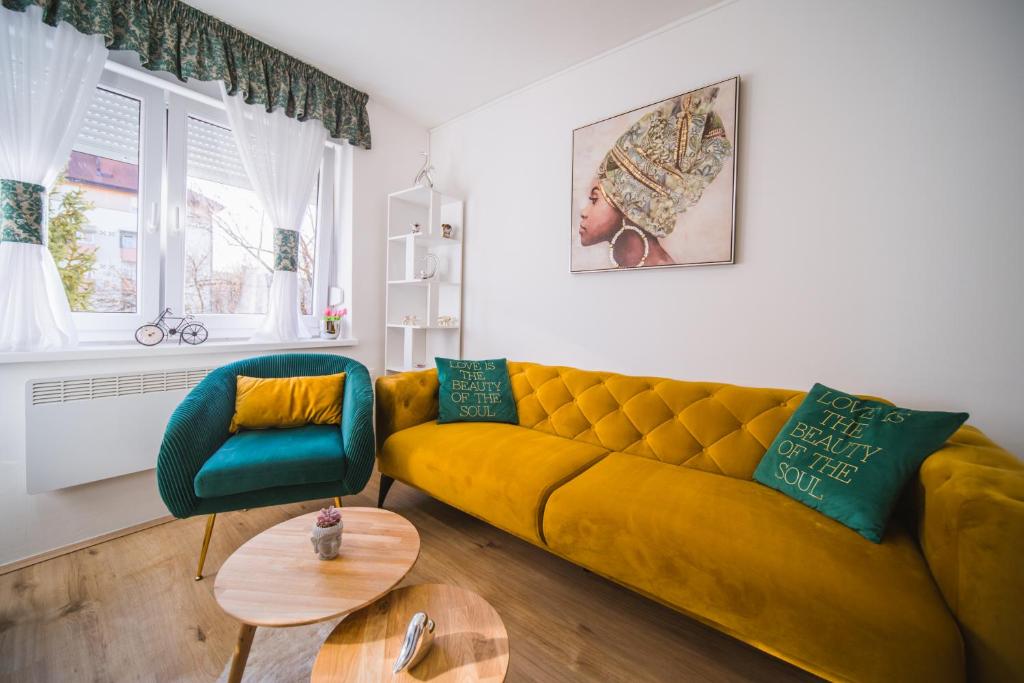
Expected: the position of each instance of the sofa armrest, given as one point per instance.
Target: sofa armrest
(197, 428)
(971, 530)
(357, 427)
(405, 400)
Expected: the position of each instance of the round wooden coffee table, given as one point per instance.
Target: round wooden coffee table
(470, 641)
(276, 579)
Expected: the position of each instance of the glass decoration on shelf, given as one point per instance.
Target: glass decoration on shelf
(446, 231)
(425, 177)
(411, 320)
(415, 228)
(426, 266)
(447, 321)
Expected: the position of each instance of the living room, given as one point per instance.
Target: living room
(651, 341)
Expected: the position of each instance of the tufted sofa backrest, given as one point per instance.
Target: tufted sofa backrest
(718, 428)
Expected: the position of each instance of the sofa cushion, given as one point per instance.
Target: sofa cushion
(474, 391)
(264, 459)
(761, 566)
(849, 458)
(498, 472)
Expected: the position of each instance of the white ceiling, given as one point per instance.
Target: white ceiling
(436, 59)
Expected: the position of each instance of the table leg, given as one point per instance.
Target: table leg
(245, 634)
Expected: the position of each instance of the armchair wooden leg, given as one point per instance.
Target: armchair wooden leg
(337, 501)
(206, 546)
(385, 486)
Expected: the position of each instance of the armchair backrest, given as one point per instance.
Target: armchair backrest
(287, 365)
(219, 386)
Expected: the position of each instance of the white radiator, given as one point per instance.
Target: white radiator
(92, 427)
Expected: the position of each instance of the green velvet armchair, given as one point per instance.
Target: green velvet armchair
(204, 469)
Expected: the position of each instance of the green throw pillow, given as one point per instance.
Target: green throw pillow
(849, 457)
(474, 391)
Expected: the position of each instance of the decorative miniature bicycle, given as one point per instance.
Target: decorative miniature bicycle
(187, 329)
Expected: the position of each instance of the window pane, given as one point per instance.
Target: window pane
(229, 240)
(307, 253)
(94, 209)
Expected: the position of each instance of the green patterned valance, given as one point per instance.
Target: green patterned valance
(169, 35)
(21, 212)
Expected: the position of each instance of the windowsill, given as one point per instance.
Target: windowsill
(96, 351)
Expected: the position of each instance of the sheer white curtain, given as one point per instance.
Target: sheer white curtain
(281, 157)
(48, 77)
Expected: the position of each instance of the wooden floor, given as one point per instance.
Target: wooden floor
(128, 609)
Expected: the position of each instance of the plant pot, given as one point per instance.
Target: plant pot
(330, 329)
(327, 540)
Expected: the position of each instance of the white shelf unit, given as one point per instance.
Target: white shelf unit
(413, 347)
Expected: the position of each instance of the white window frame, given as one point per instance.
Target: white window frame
(164, 113)
(93, 326)
(325, 226)
(230, 325)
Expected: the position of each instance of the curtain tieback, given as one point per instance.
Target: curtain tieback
(286, 249)
(21, 212)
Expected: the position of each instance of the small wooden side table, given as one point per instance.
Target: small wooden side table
(470, 640)
(275, 578)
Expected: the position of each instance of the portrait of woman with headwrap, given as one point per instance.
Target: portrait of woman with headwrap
(641, 207)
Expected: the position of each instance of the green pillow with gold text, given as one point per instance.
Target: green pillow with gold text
(474, 391)
(849, 457)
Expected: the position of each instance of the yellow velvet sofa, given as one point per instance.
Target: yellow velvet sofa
(648, 482)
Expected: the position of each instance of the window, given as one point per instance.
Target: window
(154, 210)
(229, 240)
(95, 205)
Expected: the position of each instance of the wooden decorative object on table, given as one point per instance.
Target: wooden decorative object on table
(470, 640)
(274, 579)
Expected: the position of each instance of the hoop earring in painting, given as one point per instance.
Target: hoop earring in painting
(611, 245)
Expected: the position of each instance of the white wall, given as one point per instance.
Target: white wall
(879, 230)
(28, 527)
(389, 166)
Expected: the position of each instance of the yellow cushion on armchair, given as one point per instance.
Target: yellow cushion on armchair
(285, 402)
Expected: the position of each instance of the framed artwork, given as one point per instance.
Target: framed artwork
(655, 187)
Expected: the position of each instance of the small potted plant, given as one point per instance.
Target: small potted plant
(330, 325)
(326, 536)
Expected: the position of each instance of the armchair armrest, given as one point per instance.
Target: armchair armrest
(357, 427)
(405, 400)
(971, 526)
(197, 428)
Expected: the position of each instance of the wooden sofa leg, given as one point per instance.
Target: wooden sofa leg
(337, 501)
(385, 486)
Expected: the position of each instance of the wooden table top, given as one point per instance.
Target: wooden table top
(470, 641)
(276, 579)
